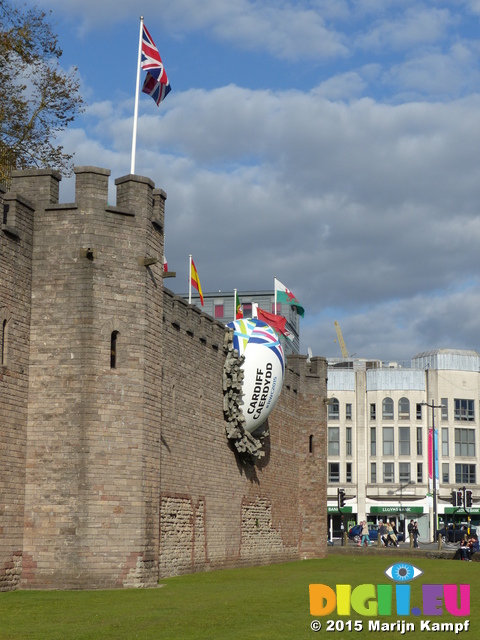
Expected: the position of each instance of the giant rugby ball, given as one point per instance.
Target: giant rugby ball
(263, 368)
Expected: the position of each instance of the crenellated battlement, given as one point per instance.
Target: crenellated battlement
(111, 393)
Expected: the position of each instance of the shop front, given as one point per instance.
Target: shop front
(340, 520)
(400, 515)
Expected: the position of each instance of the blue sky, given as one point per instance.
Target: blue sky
(330, 143)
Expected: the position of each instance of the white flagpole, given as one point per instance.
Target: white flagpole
(234, 305)
(275, 293)
(135, 113)
(190, 281)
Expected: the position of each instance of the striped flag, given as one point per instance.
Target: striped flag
(195, 280)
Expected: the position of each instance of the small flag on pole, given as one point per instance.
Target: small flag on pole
(156, 83)
(195, 280)
(285, 296)
(238, 307)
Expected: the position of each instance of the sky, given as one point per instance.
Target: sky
(334, 144)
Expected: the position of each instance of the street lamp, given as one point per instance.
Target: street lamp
(434, 464)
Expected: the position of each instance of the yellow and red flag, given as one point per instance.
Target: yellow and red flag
(195, 280)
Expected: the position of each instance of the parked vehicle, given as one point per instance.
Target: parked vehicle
(355, 533)
(457, 533)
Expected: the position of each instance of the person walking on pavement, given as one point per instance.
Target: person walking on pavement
(415, 535)
(365, 534)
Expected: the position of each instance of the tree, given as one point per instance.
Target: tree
(38, 98)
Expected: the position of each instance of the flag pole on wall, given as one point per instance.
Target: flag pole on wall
(190, 280)
(137, 91)
(156, 81)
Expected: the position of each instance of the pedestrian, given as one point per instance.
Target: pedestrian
(415, 535)
(365, 534)
(382, 532)
(391, 537)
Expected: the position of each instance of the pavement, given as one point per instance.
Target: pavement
(428, 549)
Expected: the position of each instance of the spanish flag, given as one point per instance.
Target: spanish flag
(195, 280)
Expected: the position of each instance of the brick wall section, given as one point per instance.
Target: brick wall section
(251, 514)
(128, 473)
(15, 278)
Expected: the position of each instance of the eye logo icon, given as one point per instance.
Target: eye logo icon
(402, 572)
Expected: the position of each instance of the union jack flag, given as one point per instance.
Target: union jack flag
(156, 83)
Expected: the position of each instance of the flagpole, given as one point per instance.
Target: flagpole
(234, 305)
(275, 293)
(190, 281)
(135, 113)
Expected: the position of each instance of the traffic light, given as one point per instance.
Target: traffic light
(453, 499)
(341, 498)
(468, 498)
(459, 498)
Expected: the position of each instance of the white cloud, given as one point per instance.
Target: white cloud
(357, 185)
(417, 26)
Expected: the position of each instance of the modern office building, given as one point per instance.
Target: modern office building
(221, 306)
(380, 434)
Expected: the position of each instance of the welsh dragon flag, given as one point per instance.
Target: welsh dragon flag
(285, 296)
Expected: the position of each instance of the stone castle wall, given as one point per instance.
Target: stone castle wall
(114, 465)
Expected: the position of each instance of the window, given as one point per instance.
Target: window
(334, 472)
(465, 473)
(349, 472)
(3, 345)
(333, 441)
(419, 411)
(388, 472)
(373, 441)
(247, 309)
(419, 441)
(464, 410)
(404, 409)
(464, 442)
(444, 403)
(348, 436)
(419, 472)
(373, 411)
(444, 441)
(373, 472)
(278, 309)
(219, 311)
(387, 409)
(310, 444)
(388, 447)
(333, 409)
(113, 350)
(348, 411)
(404, 472)
(445, 473)
(404, 441)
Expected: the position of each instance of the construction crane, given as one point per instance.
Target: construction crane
(341, 340)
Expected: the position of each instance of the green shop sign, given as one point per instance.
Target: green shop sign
(397, 509)
(461, 512)
(335, 510)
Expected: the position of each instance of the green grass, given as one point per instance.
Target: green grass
(254, 603)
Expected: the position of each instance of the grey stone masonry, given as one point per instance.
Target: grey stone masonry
(115, 470)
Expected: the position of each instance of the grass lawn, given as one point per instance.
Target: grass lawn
(268, 603)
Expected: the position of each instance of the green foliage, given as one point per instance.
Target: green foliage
(258, 603)
(37, 98)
